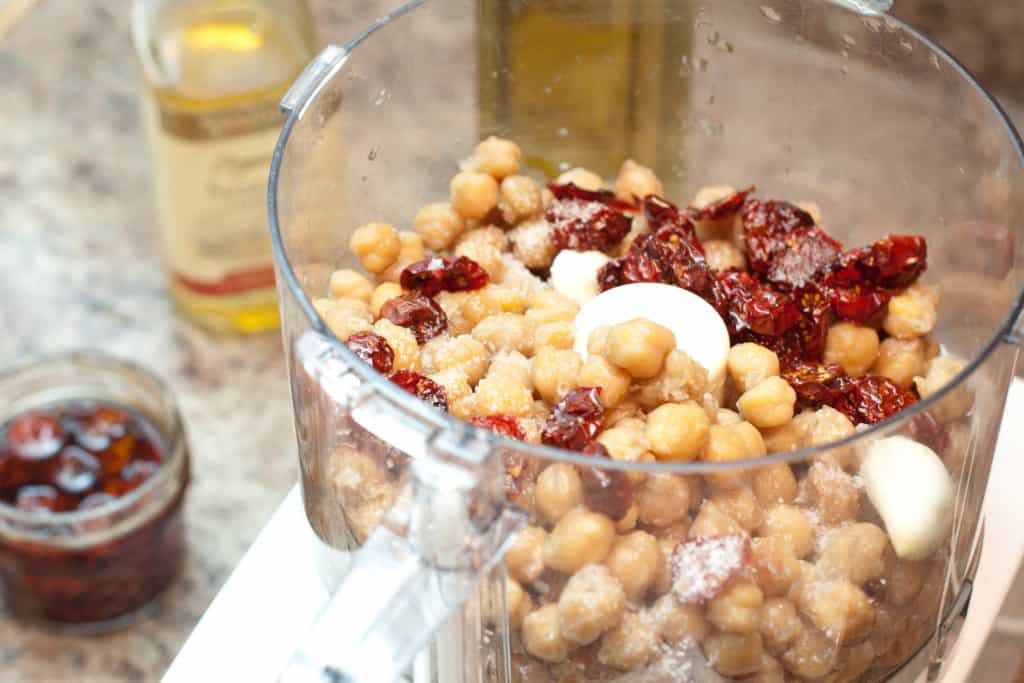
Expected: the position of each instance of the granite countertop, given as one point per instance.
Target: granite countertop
(79, 267)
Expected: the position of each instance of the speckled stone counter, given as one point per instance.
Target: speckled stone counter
(79, 268)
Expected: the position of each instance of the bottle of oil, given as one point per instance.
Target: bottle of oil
(598, 80)
(214, 72)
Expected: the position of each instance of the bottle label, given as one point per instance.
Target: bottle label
(210, 182)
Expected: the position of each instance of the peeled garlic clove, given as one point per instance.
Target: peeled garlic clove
(699, 330)
(911, 489)
(574, 274)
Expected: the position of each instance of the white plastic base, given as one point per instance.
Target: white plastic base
(267, 604)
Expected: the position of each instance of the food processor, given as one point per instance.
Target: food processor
(833, 102)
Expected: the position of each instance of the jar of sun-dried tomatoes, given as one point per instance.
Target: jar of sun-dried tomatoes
(94, 466)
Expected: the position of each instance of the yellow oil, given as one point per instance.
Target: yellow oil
(215, 71)
(584, 82)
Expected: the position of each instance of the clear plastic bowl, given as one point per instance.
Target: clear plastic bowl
(808, 99)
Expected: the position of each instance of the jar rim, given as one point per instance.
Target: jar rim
(173, 437)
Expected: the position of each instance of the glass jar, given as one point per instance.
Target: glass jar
(97, 569)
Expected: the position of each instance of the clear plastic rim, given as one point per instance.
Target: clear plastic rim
(175, 442)
(406, 401)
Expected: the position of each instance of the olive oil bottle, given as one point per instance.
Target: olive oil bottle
(598, 80)
(214, 72)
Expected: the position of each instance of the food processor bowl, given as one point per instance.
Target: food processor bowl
(835, 103)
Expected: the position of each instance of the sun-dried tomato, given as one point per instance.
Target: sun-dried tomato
(704, 565)
(584, 220)
(422, 387)
(501, 424)
(419, 313)
(873, 399)
(756, 307)
(609, 492)
(661, 213)
(440, 273)
(373, 350)
(817, 384)
(858, 303)
(784, 245)
(723, 208)
(575, 420)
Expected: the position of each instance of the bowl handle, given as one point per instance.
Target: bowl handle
(448, 528)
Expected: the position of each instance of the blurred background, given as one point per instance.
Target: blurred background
(80, 266)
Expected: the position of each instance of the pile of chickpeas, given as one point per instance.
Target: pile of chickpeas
(823, 596)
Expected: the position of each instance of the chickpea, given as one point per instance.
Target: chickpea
(461, 402)
(597, 342)
(532, 243)
(753, 442)
(775, 565)
(363, 488)
(662, 499)
(857, 553)
(901, 360)
(411, 250)
(542, 297)
(678, 431)
(581, 178)
(737, 608)
(525, 559)
(724, 445)
(497, 156)
(542, 636)
(559, 489)
(780, 624)
(723, 255)
(781, 439)
(790, 522)
(734, 654)
(520, 199)
(462, 352)
(376, 244)
(556, 335)
(824, 426)
(480, 246)
(546, 316)
(634, 560)
(350, 284)
(636, 182)
(614, 382)
(580, 537)
(473, 194)
(554, 373)
(855, 660)
(750, 364)
(774, 484)
(345, 317)
(712, 521)
(402, 341)
(727, 418)
(709, 194)
(629, 645)
(769, 403)
(741, 505)
(913, 313)
(499, 393)
(517, 603)
(853, 346)
(439, 225)
(939, 372)
(627, 441)
(512, 365)
(838, 608)
(639, 347)
(505, 332)
(591, 603)
(683, 379)
(837, 497)
(812, 655)
(771, 671)
(813, 209)
(383, 293)
(676, 622)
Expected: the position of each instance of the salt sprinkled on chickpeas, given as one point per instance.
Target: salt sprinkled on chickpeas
(591, 603)
(439, 225)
